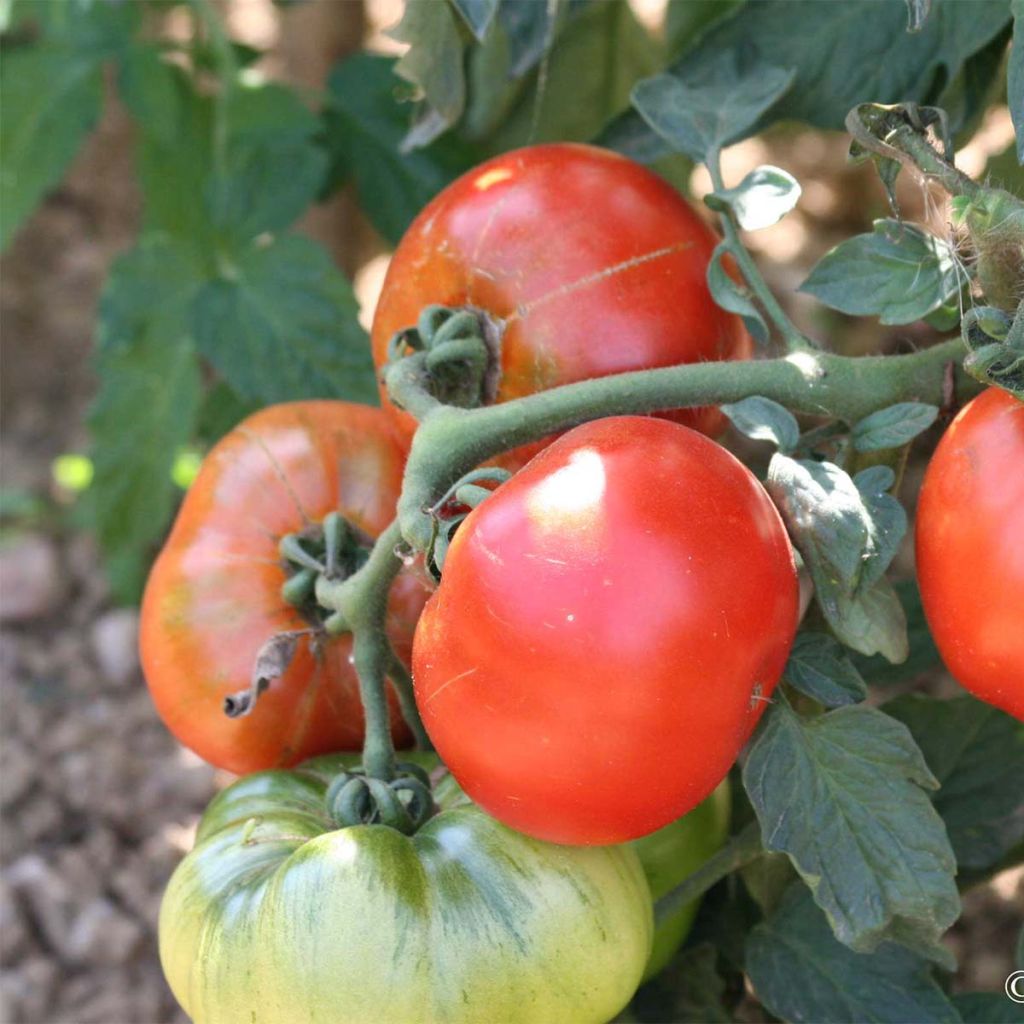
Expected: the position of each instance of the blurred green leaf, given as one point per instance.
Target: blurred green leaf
(364, 129)
(988, 1008)
(222, 409)
(283, 326)
(801, 973)
(1015, 76)
(146, 406)
(686, 21)
(843, 795)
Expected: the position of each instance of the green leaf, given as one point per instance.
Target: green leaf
(734, 297)
(697, 119)
(51, 101)
(764, 420)
(899, 273)
(146, 407)
(686, 21)
(801, 973)
(689, 991)
(922, 655)
(477, 14)
(977, 754)
(843, 796)
(220, 412)
(819, 667)
(870, 621)
(1015, 76)
(364, 129)
(887, 521)
(587, 80)
(830, 79)
(284, 326)
(988, 1008)
(761, 199)
(917, 14)
(433, 64)
(148, 89)
(893, 427)
(275, 168)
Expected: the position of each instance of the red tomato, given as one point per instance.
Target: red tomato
(214, 595)
(606, 632)
(970, 549)
(594, 264)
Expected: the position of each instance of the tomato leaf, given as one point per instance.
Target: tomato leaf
(923, 654)
(977, 753)
(698, 118)
(764, 420)
(844, 796)
(434, 65)
(870, 622)
(477, 14)
(734, 297)
(898, 273)
(801, 973)
(147, 404)
(761, 199)
(797, 36)
(51, 102)
(893, 427)
(364, 130)
(1015, 76)
(819, 667)
(689, 991)
(274, 167)
(988, 1008)
(149, 89)
(887, 521)
(283, 326)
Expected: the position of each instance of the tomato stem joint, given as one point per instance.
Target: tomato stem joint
(405, 803)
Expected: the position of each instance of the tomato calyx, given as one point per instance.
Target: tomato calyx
(453, 506)
(461, 350)
(404, 803)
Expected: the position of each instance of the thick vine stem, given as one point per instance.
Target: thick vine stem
(361, 605)
(450, 441)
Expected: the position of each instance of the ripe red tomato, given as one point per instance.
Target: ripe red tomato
(607, 628)
(214, 595)
(970, 549)
(594, 264)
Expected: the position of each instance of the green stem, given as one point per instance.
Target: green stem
(361, 602)
(450, 441)
(402, 681)
(794, 340)
(743, 848)
(227, 72)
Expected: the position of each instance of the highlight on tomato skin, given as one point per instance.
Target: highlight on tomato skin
(608, 628)
(214, 598)
(593, 263)
(970, 549)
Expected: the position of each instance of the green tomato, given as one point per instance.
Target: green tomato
(666, 856)
(278, 916)
(672, 853)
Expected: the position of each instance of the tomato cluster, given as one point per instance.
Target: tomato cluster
(608, 628)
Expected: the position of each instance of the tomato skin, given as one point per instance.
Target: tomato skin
(666, 856)
(278, 917)
(596, 265)
(606, 630)
(213, 597)
(970, 549)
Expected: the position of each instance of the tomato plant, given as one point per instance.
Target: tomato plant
(607, 631)
(464, 921)
(214, 597)
(970, 556)
(571, 297)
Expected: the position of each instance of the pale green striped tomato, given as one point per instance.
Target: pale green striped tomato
(277, 916)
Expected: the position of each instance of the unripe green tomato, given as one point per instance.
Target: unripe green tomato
(667, 856)
(672, 853)
(279, 916)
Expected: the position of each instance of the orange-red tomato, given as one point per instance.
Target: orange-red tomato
(214, 595)
(608, 627)
(970, 549)
(594, 264)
